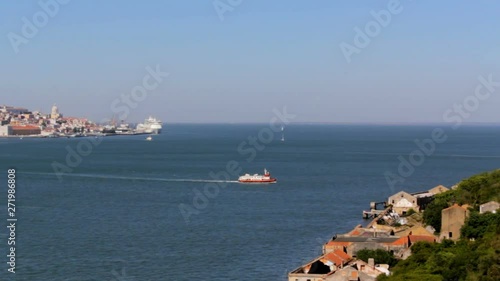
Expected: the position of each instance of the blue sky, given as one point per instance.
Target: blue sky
(262, 55)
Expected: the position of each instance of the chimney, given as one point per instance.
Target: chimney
(371, 262)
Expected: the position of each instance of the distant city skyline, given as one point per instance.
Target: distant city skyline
(419, 62)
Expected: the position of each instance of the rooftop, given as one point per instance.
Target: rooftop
(364, 239)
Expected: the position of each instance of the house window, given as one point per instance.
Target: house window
(392, 201)
(450, 234)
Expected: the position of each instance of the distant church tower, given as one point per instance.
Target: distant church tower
(55, 112)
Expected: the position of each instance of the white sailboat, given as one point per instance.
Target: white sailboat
(282, 134)
(149, 138)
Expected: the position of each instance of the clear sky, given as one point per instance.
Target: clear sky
(261, 55)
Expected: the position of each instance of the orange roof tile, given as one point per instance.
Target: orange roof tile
(342, 254)
(355, 232)
(400, 241)
(337, 243)
(338, 257)
(416, 238)
(27, 127)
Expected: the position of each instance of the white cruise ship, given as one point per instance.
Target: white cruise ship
(150, 126)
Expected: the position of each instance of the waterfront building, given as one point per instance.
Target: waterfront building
(373, 238)
(402, 202)
(321, 268)
(19, 130)
(352, 244)
(351, 270)
(26, 130)
(5, 130)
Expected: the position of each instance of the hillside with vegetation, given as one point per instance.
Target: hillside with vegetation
(476, 256)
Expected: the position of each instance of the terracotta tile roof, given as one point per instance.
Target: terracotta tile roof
(337, 257)
(342, 254)
(406, 240)
(27, 127)
(337, 243)
(416, 238)
(351, 239)
(400, 241)
(355, 232)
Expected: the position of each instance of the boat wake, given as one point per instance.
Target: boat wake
(96, 176)
(475, 156)
(436, 154)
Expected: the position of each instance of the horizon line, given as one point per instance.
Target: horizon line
(337, 123)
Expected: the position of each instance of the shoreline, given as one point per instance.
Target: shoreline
(72, 136)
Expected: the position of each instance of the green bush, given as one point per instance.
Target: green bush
(410, 212)
(479, 224)
(432, 213)
(380, 256)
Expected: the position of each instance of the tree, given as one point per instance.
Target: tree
(478, 224)
(380, 256)
(432, 213)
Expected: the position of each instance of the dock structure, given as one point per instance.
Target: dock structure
(380, 215)
(374, 205)
(371, 214)
(374, 211)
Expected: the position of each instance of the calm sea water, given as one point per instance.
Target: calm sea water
(116, 215)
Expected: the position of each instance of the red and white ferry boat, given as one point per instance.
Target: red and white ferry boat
(256, 178)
